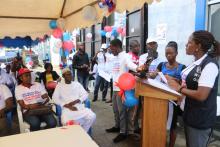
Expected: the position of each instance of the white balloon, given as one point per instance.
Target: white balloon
(89, 35)
(108, 35)
(89, 13)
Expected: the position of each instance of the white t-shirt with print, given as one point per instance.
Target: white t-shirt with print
(5, 93)
(30, 95)
(66, 93)
(121, 64)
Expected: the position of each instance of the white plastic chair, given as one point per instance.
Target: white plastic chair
(24, 126)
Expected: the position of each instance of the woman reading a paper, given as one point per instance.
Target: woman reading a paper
(172, 70)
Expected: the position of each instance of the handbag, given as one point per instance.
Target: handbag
(43, 110)
(51, 85)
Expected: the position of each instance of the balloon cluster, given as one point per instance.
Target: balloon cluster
(58, 33)
(110, 31)
(126, 83)
(110, 4)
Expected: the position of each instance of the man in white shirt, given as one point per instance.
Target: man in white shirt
(152, 46)
(121, 63)
(101, 59)
(70, 95)
(32, 96)
(6, 103)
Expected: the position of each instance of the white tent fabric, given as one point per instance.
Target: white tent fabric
(31, 17)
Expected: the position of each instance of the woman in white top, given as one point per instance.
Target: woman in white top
(200, 86)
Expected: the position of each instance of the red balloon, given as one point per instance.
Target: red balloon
(126, 81)
(68, 45)
(31, 63)
(123, 32)
(57, 33)
(120, 30)
(108, 28)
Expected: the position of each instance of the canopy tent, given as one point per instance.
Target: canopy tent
(31, 17)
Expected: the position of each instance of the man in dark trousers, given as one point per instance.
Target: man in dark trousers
(81, 63)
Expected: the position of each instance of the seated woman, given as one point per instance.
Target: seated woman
(70, 95)
(32, 96)
(171, 69)
(49, 76)
(6, 103)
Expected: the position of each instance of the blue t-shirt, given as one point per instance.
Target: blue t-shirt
(175, 72)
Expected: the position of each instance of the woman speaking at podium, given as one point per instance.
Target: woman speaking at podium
(200, 86)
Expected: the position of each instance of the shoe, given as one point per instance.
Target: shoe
(120, 137)
(94, 100)
(113, 130)
(109, 101)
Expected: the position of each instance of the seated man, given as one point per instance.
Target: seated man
(70, 95)
(6, 103)
(33, 96)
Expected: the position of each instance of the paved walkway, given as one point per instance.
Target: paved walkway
(105, 120)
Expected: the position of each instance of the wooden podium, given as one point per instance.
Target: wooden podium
(155, 106)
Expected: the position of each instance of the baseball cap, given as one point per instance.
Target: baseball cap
(65, 70)
(104, 46)
(150, 39)
(23, 71)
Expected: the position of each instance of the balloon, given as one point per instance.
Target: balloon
(130, 99)
(108, 35)
(114, 32)
(89, 35)
(101, 5)
(66, 36)
(66, 53)
(108, 28)
(53, 24)
(57, 33)
(103, 33)
(28, 59)
(123, 32)
(68, 45)
(89, 13)
(119, 30)
(31, 63)
(126, 81)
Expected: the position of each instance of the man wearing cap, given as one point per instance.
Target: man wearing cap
(32, 96)
(70, 95)
(101, 58)
(6, 103)
(81, 63)
(152, 46)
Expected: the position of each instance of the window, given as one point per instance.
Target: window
(213, 25)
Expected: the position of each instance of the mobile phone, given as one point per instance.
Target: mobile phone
(149, 60)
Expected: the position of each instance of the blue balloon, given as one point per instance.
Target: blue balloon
(53, 24)
(66, 53)
(66, 36)
(103, 33)
(130, 99)
(28, 59)
(114, 32)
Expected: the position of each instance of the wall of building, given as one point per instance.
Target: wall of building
(172, 20)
